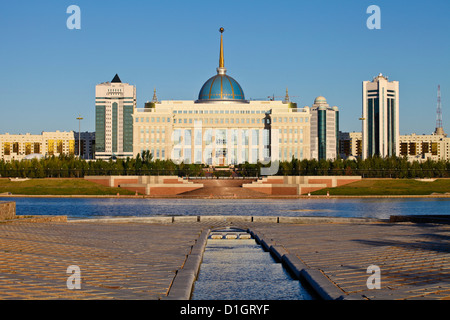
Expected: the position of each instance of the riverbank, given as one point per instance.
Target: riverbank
(366, 188)
(391, 187)
(57, 187)
(311, 197)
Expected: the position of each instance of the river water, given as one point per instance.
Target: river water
(380, 208)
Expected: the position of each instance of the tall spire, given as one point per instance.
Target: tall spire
(155, 98)
(221, 62)
(221, 69)
(286, 98)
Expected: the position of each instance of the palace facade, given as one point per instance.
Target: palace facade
(221, 127)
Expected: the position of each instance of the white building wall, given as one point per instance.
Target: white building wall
(235, 118)
(48, 144)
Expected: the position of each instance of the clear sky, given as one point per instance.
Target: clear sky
(48, 73)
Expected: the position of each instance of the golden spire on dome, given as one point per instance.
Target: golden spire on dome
(221, 62)
(221, 69)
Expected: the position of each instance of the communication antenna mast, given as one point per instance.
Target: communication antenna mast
(439, 127)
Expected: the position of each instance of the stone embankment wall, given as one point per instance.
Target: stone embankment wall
(7, 210)
(148, 185)
(298, 185)
(8, 214)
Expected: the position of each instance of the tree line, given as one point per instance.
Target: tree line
(144, 164)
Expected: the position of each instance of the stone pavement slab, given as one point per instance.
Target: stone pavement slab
(414, 259)
(116, 261)
(139, 260)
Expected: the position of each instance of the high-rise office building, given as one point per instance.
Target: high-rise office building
(324, 130)
(380, 118)
(114, 106)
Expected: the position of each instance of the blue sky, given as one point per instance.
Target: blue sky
(48, 73)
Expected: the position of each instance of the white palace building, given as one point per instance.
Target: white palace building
(221, 127)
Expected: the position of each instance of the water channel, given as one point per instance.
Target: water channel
(239, 269)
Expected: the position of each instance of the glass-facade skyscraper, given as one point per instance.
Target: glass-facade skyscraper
(114, 106)
(324, 130)
(380, 118)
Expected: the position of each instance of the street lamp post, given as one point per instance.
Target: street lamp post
(362, 138)
(79, 135)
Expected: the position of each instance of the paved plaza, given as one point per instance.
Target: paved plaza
(116, 261)
(138, 260)
(414, 259)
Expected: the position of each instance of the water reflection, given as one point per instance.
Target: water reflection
(95, 207)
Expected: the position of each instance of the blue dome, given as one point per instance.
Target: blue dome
(221, 88)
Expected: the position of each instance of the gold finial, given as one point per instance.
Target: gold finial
(221, 61)
(154, 99)
(286, 98)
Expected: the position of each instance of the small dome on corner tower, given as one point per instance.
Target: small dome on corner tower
(320, 99)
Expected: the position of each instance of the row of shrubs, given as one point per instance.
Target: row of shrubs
(72, 167)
